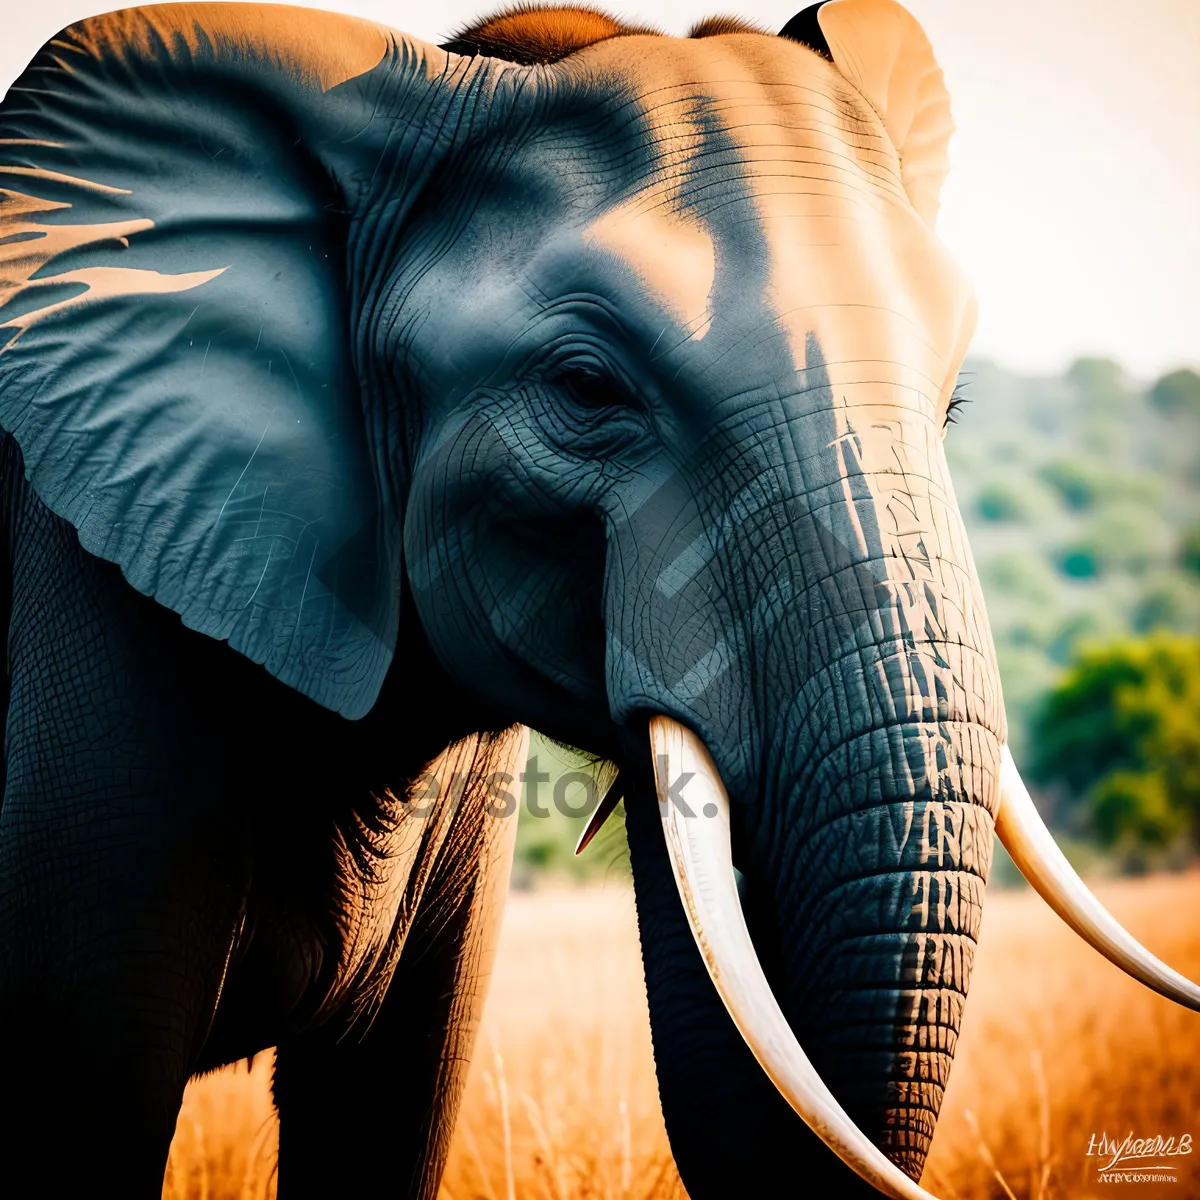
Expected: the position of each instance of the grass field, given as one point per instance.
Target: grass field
(1056, 1046)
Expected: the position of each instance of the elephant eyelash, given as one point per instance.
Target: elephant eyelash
(957, 401)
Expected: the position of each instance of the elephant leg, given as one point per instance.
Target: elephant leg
(123, 869)
(370, 1111)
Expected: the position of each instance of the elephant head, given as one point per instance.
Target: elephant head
(616, 366)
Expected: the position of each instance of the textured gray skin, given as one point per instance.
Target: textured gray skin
(691, 536)
(176, 826)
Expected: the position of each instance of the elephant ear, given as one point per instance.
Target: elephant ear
(177, 184)
(882, 50)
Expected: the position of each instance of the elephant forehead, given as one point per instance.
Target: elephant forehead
(671, 253)
(763, 151)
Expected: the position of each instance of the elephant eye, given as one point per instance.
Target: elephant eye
(589, 389)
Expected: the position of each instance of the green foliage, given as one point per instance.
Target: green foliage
(1079, 626)
(1121, 733)
(1105, 542)
(1103, 385)
(1097, 376)
(1171, 600)
(1017, 573)
(1177, 394)
(1077, 483)
(998, 502)
(1189, 550)
(1158, 609)
(1132, 535)
(1081, 560)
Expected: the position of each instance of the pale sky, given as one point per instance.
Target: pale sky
(1074, 196)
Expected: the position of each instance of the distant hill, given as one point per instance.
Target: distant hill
(1081, 495)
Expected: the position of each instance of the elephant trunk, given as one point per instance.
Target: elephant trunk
(878, 900)
(701, 858)
(863, 910)
(878, 915)
(831, 653)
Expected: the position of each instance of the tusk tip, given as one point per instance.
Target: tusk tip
(1025, 836)
(604, 810)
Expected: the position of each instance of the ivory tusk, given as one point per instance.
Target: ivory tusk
(702, 861)
(1022, 831)
(604, 810)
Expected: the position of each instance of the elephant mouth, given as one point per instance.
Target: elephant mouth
(698, 843)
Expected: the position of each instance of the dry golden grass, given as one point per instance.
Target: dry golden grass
(1057, 1044)
(561, 1104)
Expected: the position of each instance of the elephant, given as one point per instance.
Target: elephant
(377, 401)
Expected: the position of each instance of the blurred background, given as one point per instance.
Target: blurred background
(1074, 205)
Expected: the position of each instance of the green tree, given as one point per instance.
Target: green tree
(1121, 732)
(1085, 559)
(1102, 384)
(998, 502)
(1177, 393)
(1189, 550)
(1077, 483)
